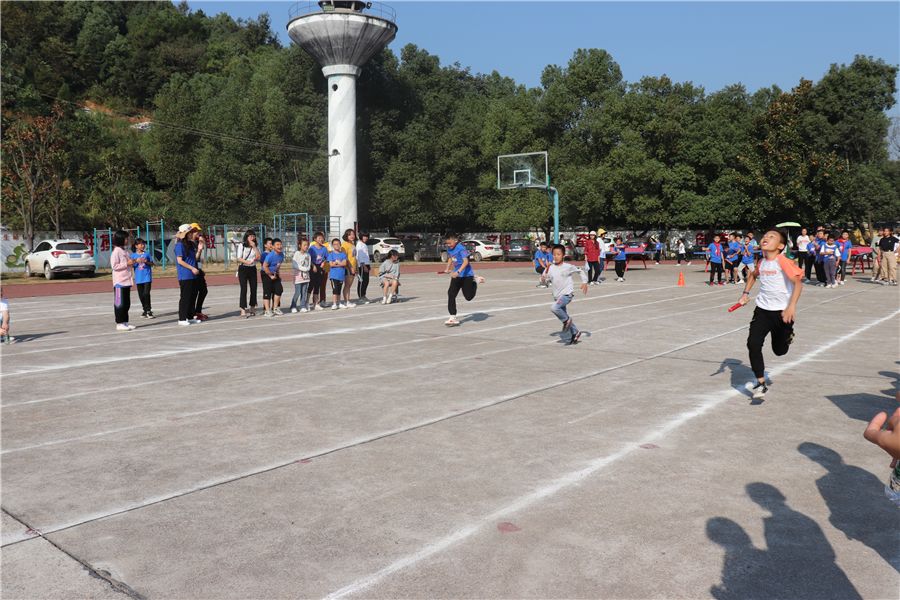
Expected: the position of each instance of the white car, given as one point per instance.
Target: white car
(480, 250)
(52, 257)
(379, 248)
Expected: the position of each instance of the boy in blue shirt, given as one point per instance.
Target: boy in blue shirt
(846, 246)
(732, 258)
(715, 256)
(337, 260)
(748, 258)
(143, 274)
(462, 276)
(621, 258)
(542, 260)
(271, 267)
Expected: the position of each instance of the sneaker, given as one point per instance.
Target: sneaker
(842, 282)
(365, 300)
(194, 321)
(566, 324)
(277, 311)
(267, 314)
(150, 314)
(759, 391)
(185, 322)
(322, 304)
(575, 339)
(893, 283)
(540, 285)
(384, 300)
(335, 306)
(348, 305)
(390, 298)
(293, 309)
(303, 310)
(143, 315)
(688, 263)
(7, 339)
(125, 327)
(201, 317)
(451, 322)
(721, 283)
(479, 279)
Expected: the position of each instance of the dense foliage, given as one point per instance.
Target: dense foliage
(240, 127)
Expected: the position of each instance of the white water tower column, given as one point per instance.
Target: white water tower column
(342, 142)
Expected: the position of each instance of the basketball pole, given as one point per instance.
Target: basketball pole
(554, 196)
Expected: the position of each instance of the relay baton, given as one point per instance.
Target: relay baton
(735, 307)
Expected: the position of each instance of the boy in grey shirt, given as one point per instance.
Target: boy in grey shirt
(559, 275)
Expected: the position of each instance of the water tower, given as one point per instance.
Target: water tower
(342, 35)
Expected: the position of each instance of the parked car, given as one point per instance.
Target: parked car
(431, 247)
(379, 248)
(480, 250)
(52, 257)
(519, 249)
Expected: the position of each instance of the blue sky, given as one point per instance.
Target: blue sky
(712, 44)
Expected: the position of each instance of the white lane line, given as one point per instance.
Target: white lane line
(330, 353)
(210, 347)
(574, 477)
(158, 330)
(306, 390)
(46, 530)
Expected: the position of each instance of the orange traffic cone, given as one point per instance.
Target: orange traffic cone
(681, 279)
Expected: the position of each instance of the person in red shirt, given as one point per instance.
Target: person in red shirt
(592, 258)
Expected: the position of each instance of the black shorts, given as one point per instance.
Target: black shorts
(337, 286)
(271, 287)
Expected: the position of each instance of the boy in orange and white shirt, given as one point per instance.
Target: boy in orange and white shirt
(776, 304)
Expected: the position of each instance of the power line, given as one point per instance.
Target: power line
(216, 135)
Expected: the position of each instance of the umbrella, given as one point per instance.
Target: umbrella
(788, 224)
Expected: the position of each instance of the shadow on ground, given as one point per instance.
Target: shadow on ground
(798, 561)
(857, 502)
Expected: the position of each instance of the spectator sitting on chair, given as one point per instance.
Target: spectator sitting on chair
(389, 276)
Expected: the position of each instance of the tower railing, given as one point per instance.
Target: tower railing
(372, 9)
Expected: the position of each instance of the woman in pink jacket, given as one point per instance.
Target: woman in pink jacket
(123, 279)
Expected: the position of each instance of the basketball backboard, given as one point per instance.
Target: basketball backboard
(517, 171)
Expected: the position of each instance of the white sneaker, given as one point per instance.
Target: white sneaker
(293, 311)
(335, 306)
(194, 321)
(390, 299)
(185, 323)
(268, 314)
(384, 300)
(451, 322)
(365, 300)
(303, 310)
(277, 311)
(125, 327)
(348, 305)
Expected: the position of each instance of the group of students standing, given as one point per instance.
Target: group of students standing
(737, 257)
(314, 265)
(825, 253)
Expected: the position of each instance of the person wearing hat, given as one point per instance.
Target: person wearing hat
(592, 258)
(202, 289)
(187, 271)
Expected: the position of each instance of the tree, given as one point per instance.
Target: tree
(31, 150)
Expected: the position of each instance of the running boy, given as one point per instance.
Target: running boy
(337, 260)
(559, 275)
(776, 304)
(462, 276)
(621, 258)
(143, 275)
(271, 271)
(714, 255)
(542, 260)
(301, 262)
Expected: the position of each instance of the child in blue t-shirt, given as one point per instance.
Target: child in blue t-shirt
(846, 246)
(732, 258)
(747, 258)
(715, 256)
(272, 275)
(143, 274)
(621, 258)
(542, 259)
(337, 260)
(831, 256)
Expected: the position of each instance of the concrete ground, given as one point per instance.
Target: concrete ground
(376, 453)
